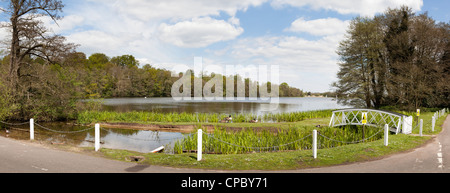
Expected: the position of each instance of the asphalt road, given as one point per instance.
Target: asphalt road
(25, 157)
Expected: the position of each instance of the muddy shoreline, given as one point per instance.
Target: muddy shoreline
(174, 128)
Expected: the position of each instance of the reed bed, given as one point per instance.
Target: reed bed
(298, 116)
(145, 117)
(250, 140)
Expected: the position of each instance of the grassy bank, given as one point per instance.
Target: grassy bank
(248, 140)
(88, 117)
(278, 160)
(296, 156)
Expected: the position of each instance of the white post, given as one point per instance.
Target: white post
(97, 137)
(32, 129)
(332, 120)
(386, 135)
(433, 123)
(199, 145)
(314, 145)
(421, 127)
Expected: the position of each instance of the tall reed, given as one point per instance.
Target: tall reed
(250, 140)
(107, 116)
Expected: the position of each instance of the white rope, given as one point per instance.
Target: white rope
(256, 148)
(168, 139)
(14, 124)
(352, 142)
(66, 132)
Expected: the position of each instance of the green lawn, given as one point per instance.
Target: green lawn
(290, 159)
(278, 160)
(287, 160)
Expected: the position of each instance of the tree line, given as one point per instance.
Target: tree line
(398, 59)
(54, 89)
(43, 76)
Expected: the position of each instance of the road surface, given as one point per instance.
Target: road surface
(25, 157)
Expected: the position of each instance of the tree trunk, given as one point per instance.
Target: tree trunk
(15, 51)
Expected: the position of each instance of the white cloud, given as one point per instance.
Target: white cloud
(96, 41)
(362, 7)
(65, 24)
(200, 32)
(301, 61)
(319, 27)
(180, 10)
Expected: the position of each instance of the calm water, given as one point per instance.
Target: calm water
(146, 141)
(134, 140)
(258, 107)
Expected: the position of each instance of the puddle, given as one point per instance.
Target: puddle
(111, 138)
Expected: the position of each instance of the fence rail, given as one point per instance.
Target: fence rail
(314, 135)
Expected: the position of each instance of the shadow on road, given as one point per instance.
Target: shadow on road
(137, 168)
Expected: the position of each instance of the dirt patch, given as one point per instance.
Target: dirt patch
(178, 128)
(152, 127)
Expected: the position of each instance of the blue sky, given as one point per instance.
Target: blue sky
(301, 36)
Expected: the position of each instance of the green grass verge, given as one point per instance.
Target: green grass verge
(88, 117)
(278, 160)
(288, 160)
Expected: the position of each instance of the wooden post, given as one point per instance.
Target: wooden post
(314, 145)
(97, 137)
(421, 127)
(363, 133)
(433, 123)
(31, 129)
(386, 135)
(199, 144)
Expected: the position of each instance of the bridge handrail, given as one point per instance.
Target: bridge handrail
(375, 110)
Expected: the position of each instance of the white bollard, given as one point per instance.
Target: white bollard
(97, 137)
(433, 123)
(386, 135)
(31, 129)
(314, 145)
(199, 144)
(421, 127)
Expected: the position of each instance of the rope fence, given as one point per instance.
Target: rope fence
(259, 148)
(155, 140)
(314, 135)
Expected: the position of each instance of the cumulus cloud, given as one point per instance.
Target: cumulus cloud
(361, 7)
(300, 60)
(96, 41)
(319, 27)
(296, 52)
(180, 10)
(199, 32)
(67, 23)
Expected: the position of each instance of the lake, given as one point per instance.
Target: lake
(168, 105)
(146, 141)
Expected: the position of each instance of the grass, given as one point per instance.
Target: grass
(88, 117)
(284, 159)
(292, 138)
(279, 160)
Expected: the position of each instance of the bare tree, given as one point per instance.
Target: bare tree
(37, 88)
(29, 37)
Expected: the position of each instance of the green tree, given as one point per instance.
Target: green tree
(394, 59)
(97, 60)
(125, 61)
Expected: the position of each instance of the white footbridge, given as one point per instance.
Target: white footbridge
(398, 123)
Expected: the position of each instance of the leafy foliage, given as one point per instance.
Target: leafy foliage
(397, 59)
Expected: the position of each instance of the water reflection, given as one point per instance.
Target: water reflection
(146, 141)
(133, 140)
(168, 105)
